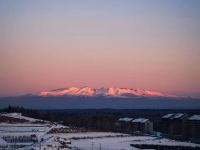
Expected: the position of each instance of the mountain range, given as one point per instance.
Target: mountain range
(108, 92)
(92, 98)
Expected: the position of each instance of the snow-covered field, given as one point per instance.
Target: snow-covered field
(119, 143)
(19, 127)
(107, 141)
(115, 141)
(82, 140)
(89, 135)
(20, 116)
(112, 143)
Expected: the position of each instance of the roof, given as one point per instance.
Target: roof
(140, 120)
(167, 115)
(195, 117)
(174, 116)
(125, 119)
(177, 116)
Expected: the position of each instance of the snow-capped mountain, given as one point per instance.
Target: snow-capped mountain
(91, 98)
(109, 92)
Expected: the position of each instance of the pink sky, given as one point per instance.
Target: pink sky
(128, 44)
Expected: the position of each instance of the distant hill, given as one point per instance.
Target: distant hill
(88, 102)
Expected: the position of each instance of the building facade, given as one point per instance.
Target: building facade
(138, 125)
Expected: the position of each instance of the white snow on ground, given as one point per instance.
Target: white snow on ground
(107, 143)
(115, 141)
(140, 120)
(24, 129)
(49, 142)
(28, 129)
(164, 141)
(5, 127)
(20, 116)
(104, 144)
(85, 135)
(179, 115)
(119, 143)
(167, 115)
(60, 126)
(125, 119)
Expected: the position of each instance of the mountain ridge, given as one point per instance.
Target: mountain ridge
(106, 92)
(114, 98)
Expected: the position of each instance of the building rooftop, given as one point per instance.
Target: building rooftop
(167, 115)
(177, 116)
(140, 120)
(125, 119)
(195, 117)
(173, 116)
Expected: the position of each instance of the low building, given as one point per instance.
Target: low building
(130, 125)
(124, 125)
(194, 128)
(174, 125)
(21, 139)
(142, 125)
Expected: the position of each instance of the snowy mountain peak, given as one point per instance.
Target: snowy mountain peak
(110, 92)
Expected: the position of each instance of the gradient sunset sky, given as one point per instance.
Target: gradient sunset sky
(145, 44)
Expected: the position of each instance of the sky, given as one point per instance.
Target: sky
(140, 44)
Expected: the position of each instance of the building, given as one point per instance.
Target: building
(130, 125)
(174, 125)
(21, 139)
(124, 125)
(142, 125)
(194, 128)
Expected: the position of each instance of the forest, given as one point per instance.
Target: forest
(96, 119)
